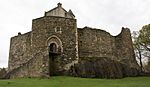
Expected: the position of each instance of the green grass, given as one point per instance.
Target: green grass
(63, 81)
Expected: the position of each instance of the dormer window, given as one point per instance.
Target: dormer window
(58, 29)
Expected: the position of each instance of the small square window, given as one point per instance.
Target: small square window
(58, 30)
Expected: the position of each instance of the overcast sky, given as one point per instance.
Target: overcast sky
(110, 15)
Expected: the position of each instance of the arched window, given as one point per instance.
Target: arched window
(53, 48)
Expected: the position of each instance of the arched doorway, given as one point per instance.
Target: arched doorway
(52, 59)
(55, 49)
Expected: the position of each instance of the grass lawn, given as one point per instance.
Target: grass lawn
(63, 81)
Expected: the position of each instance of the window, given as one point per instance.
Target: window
(58, 30)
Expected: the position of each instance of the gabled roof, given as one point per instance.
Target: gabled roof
(71, 12)
(58, 5)
(60, 11)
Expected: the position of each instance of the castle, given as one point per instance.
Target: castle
(55, 46)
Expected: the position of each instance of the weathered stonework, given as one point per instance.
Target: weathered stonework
(55, 46)
(3, 71)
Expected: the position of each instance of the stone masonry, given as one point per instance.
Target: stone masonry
(55, 46)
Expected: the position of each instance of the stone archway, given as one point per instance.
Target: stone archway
(55, 49)
(52, 59)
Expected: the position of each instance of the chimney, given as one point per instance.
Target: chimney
(59, 4)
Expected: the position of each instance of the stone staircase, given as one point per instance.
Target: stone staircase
(8, 74)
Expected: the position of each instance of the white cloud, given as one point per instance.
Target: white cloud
(16, 16)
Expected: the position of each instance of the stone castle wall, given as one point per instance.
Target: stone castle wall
(102, 55)
(100, 44)
(45, 30)
(31, 68)
(95, 43)
(19, 50)
(55, 46)
(124, 48)
(29, 53)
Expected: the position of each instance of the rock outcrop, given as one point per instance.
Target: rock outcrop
(102, 68)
